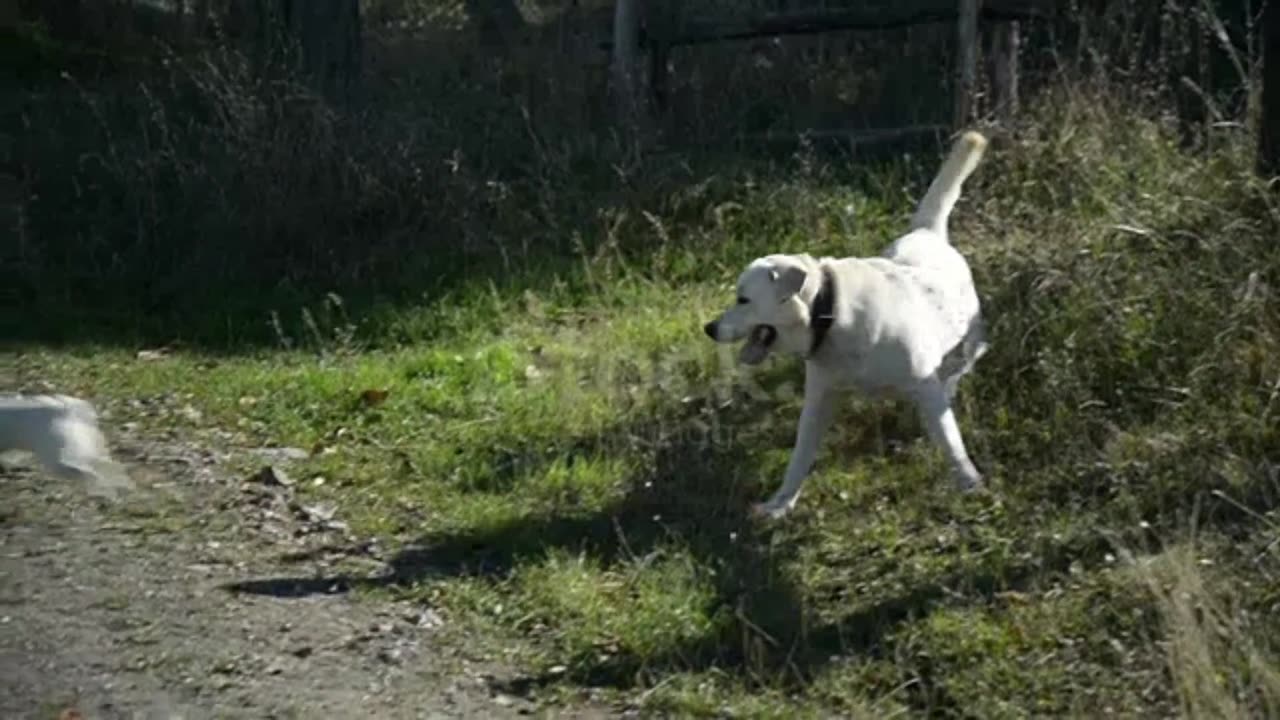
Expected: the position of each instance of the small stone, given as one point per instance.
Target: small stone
(282, 454)
(272, 476)
(428, 619)
(319, 513)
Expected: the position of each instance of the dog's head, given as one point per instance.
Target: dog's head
(772, 308)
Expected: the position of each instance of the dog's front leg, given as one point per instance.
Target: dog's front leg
(815, 418)
(933, 402)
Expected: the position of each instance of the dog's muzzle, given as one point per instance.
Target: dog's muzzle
(759, 342)
(712, 329)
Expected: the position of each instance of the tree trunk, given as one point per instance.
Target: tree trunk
(1269, 130)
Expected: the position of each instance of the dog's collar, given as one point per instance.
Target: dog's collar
(821, 312)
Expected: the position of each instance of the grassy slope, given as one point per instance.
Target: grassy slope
(564, 466)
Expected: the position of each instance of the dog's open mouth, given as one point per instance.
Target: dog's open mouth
(758, 344)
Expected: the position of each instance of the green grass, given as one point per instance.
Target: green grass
(564, 463)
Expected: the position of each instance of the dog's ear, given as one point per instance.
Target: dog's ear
(789, 279)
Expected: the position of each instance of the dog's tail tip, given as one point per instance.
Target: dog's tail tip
(935, 207)
(972, 142)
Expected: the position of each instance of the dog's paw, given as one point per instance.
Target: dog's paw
(771, 510)
(109, 479)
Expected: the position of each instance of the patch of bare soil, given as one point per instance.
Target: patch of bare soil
(122, 609)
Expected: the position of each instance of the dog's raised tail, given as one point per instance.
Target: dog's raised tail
(934, 210)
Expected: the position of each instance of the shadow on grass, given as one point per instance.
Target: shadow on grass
(691, 495)
(208, 238)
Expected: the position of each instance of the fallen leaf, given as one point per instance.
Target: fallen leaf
(373, 397)
(1013, 596)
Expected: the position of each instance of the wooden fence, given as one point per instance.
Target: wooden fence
(654, 27)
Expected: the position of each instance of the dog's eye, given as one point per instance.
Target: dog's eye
(742, 300)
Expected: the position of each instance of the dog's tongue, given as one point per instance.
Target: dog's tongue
(757, 347)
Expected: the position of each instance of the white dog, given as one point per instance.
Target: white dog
(62, 433)
(906, 322)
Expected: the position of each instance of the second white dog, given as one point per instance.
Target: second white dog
(62, 433)
(907, 322)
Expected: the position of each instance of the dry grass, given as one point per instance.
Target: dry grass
(562, 465)
(1221, 664)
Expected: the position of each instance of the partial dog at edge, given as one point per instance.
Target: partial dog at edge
(62, 433)
(907, 322)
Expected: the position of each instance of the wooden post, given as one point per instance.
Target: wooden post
(966, 62)
(320, 39)
(626, 47)
(197, 20)
(658, 74)
(661, 19)
(1004, 70)
(1269, 132)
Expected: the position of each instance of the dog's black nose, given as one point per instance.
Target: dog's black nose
(710, 329)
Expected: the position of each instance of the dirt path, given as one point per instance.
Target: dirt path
(120, 610)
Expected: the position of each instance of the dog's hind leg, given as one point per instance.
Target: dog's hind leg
(815, 418)
(934, 406)
(960, 360)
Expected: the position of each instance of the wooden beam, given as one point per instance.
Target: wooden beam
(966, 62)
(869, 136)
(906, 14)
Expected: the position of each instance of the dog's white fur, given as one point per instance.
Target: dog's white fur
(907, 322)
(62, 433)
